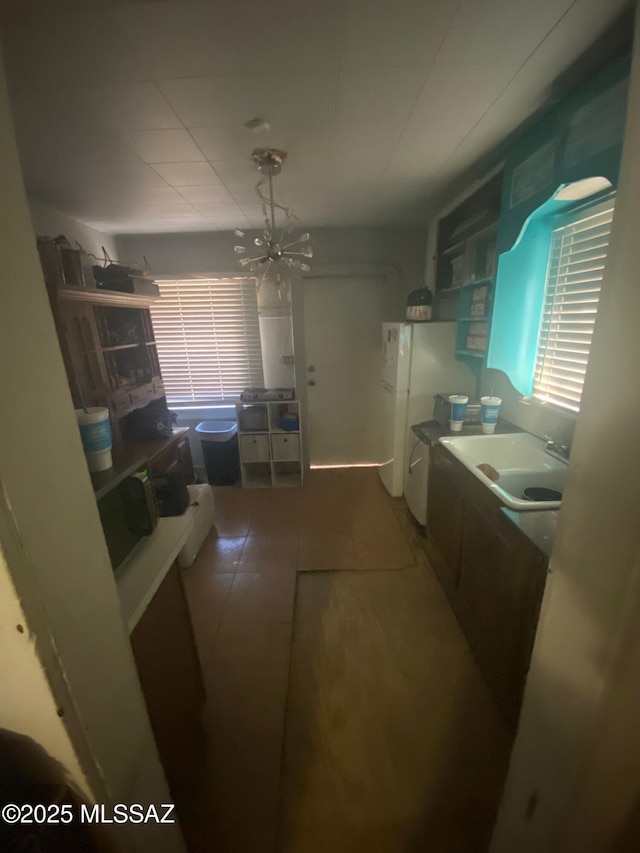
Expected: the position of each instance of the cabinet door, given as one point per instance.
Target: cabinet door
(167, 662)
(173, 459)
(444, 513)
(285, 448)
(254, 448)
(85, 369)
(501, 582)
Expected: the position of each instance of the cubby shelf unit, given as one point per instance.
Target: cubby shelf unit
(270, 455)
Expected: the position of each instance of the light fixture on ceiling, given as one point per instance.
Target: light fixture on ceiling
(273, 252)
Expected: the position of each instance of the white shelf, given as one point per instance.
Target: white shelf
(286, 474)
(271, 472)
(256, 475)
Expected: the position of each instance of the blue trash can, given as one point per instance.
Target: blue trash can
(219, 441)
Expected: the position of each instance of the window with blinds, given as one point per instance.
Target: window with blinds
(576, 267)
(208, 339)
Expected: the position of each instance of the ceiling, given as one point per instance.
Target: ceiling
(130, 117)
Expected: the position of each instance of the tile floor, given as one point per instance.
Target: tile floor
(344, 709)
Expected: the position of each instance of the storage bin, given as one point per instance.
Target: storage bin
(254, 448)
(285, 448)
(220, 451)
(254, 418)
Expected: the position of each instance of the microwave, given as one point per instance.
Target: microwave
(127, 508)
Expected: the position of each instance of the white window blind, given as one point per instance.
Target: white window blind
(576, 267)
(208, 339)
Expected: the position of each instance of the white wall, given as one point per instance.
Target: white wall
(48, 222)
(53, 544)
(574, 781)
(178, 254)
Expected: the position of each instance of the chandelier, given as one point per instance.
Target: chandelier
(275, 247)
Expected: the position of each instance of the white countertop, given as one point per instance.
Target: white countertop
(139, 577)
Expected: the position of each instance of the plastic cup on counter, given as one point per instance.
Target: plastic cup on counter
(458, 403)
(489, 412)
(95, 431)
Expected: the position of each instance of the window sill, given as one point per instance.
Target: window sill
(535, 404)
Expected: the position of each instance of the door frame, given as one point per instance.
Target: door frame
(391, 308)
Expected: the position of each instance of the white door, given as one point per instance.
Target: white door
(343, 350)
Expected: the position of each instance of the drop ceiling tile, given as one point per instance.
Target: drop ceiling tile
(227, 143)
(228, 222)
(512, 44)
(302, 140)
(452, 101)
(163, 146)
(177, 39)
(186, 174)
(217, 208)
(237, 171)
(206, 194)
(385, 33)
(210, 101)
(154, 226)
(155, 195)
(136, 173)
(290, 36)
(64, 46)
(488, 13)
(132, 106)
(163, 211)
(383, 94)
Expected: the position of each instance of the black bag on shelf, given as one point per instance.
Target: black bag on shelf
(152, 422)
(113, 277)
(171, 493)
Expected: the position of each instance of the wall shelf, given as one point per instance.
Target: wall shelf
(471, 353)
(477, 282)
(120, 347)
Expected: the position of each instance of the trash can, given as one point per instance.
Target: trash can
(220, 450)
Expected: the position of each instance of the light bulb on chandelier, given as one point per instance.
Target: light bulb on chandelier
(274, 251)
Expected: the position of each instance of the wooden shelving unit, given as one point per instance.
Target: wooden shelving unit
(465, 270)
(109, 349)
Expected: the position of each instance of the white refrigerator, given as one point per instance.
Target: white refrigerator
(418, 362)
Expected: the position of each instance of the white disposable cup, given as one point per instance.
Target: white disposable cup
(455, 426)
(95, 431)
(458, 403)
(489, 412)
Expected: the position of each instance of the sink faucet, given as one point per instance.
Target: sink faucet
(558, 451)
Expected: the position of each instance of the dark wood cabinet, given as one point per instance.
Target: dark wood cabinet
(169, 670)
(82, 356)
(109, 350)
(502, 578)
(173, 458)
(493, 575)
(444, 514)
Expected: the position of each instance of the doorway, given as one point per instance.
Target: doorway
(343, 342)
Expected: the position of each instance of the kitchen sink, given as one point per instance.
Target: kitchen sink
(522, 464)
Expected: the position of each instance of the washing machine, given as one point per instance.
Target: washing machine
(417, 472)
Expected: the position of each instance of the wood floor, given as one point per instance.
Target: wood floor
(345, 712)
